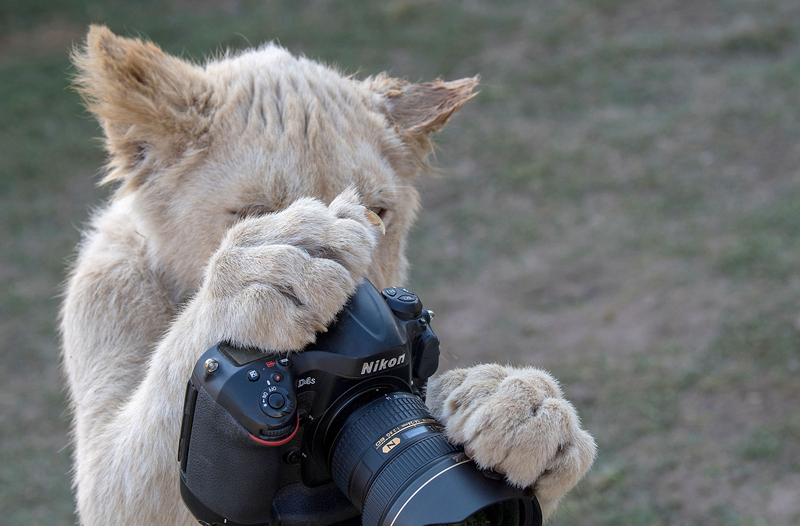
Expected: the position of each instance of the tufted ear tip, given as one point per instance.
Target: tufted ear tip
(107, 60)
(443, 99)
(97, 35)
(418, 110)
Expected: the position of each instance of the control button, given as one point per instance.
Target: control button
(391, 291)
(404, 304)
(277, 377)
(292, 456)
(284, 362)
(253, 375)
(276, 400)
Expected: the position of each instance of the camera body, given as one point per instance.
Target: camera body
(325, 435)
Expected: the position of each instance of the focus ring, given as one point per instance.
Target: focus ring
(371, 421)
(396, 473)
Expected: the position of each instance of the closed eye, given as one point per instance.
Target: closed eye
(252, 211)
(381, 212)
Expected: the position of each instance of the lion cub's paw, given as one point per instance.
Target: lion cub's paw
(279, 278)
(517, 422)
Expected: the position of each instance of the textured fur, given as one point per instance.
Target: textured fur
(240, 215)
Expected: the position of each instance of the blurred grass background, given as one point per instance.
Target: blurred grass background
(619, 205)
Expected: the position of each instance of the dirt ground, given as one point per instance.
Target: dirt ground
(620, 205)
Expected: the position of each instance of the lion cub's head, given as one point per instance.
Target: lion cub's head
(197, 147)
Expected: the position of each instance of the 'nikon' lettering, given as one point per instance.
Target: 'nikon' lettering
(380, 365)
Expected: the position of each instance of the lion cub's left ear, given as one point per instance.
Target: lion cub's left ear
(153, 107)
(418, 110)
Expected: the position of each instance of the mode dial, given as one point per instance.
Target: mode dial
(277, 402)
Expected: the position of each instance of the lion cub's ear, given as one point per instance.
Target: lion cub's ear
(417, 110)
(154, 108)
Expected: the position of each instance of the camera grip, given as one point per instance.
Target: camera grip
(229, 473)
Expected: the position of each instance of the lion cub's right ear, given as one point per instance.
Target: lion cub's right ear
(154, 108)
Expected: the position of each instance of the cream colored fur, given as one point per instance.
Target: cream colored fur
(240, 215)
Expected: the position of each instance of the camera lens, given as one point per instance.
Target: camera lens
(392, 460)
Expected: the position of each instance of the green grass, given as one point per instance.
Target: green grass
(762, 444)
(766, 241)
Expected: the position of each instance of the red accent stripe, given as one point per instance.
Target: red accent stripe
(280, 442)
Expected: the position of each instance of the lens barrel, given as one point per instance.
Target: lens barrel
(391, 458)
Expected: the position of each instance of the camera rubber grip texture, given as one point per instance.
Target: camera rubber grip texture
(395, 475)
(226, 470)
(298, 505)
(371, 422)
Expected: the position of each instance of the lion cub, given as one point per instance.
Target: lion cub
(241, 214)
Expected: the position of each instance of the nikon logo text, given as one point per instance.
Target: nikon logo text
(380, 365)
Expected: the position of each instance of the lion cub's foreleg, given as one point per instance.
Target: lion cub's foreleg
(274, 281)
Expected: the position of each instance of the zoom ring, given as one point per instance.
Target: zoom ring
(396, 474)
(372, 421)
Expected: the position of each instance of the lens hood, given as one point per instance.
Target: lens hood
(467, 491)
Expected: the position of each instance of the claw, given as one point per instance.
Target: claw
(321, 328)
(376, 220)
(469, 451)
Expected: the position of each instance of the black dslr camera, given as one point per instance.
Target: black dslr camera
(337, 434)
